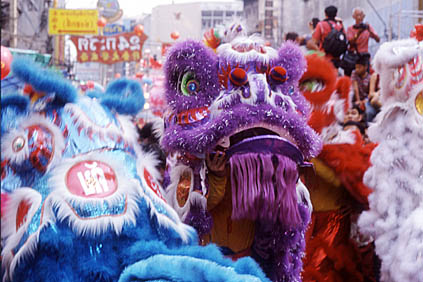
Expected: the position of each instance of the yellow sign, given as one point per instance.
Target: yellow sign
(76, 22)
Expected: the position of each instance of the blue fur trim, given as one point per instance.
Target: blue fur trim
(94, 94)
(18, 102)
(63, 256)
(125, 96)
(181, 268)
(44, 80)
(11, 107)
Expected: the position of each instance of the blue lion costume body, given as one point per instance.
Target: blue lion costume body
(82, 201)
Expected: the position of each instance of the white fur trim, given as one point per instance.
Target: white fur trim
(35, 119)
(226, 50)
(172, 190)
(343, 137)
(10, 235)
(225, 98)
(303, 195)
(285, 98)
(172, 220)
(80, 119)
(158, 128)
(128, 128)
(63, 199)
(395, 215)
(390, 57)
(395, 53)
(7, 146)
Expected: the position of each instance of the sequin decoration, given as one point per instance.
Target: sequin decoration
(182, 190)
(95, 210)
(419, 103)
(189, 117)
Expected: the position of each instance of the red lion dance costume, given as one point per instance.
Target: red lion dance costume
(336, 189)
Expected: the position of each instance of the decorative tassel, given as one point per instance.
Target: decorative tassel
(264, 187)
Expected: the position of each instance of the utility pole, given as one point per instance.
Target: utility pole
(13, 12)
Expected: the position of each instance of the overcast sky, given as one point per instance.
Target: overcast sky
(133, 8)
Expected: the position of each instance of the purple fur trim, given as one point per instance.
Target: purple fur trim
(191, 56)
(291, 58)
(264, 190)
(279, 250)
(200, 219)
(204, 138)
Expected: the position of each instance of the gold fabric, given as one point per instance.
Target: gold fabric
(237, 235)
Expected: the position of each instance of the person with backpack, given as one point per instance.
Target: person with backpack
(329, 36)
(358, 36)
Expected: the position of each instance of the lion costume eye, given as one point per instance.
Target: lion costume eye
(238, 77)
(189, 84)
(18, 144)
(278, 74)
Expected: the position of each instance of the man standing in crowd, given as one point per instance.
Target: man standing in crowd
(358, 34)
(323, 29)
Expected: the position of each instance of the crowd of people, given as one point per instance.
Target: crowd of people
(243, 169)
(353, 58)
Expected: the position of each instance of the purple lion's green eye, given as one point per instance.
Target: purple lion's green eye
(189, 84)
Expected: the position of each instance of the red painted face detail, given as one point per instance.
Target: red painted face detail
(91, 179)
(278, 74)
(262, 68)
(21, 214)
(238, 77)
(152, 184)
(41, 147)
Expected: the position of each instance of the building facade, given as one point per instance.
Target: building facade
(189, 20)
(391, 19)
(32, 24)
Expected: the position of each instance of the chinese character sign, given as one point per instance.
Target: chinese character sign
(124, 47)
(77, 22)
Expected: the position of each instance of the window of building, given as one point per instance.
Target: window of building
(239, 14)
(206, 13)
(218, 13)
(268, 22)
(268, 4)
(229, 13)
(268, 32)
(217, 22)
(205, 23)
(268, 13)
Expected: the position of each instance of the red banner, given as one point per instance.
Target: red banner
(123, 47)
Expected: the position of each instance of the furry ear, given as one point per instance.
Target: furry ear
(317, 86)
(125, 96)
(44, 81)
(291, 58)
(191, 76)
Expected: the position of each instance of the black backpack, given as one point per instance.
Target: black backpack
(335, 43)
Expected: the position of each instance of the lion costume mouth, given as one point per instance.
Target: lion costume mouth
(312, 85)
(264, 171)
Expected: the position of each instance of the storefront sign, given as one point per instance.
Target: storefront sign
(125, 47)
(77, 22)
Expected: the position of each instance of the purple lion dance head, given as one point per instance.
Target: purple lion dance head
(245, 101)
